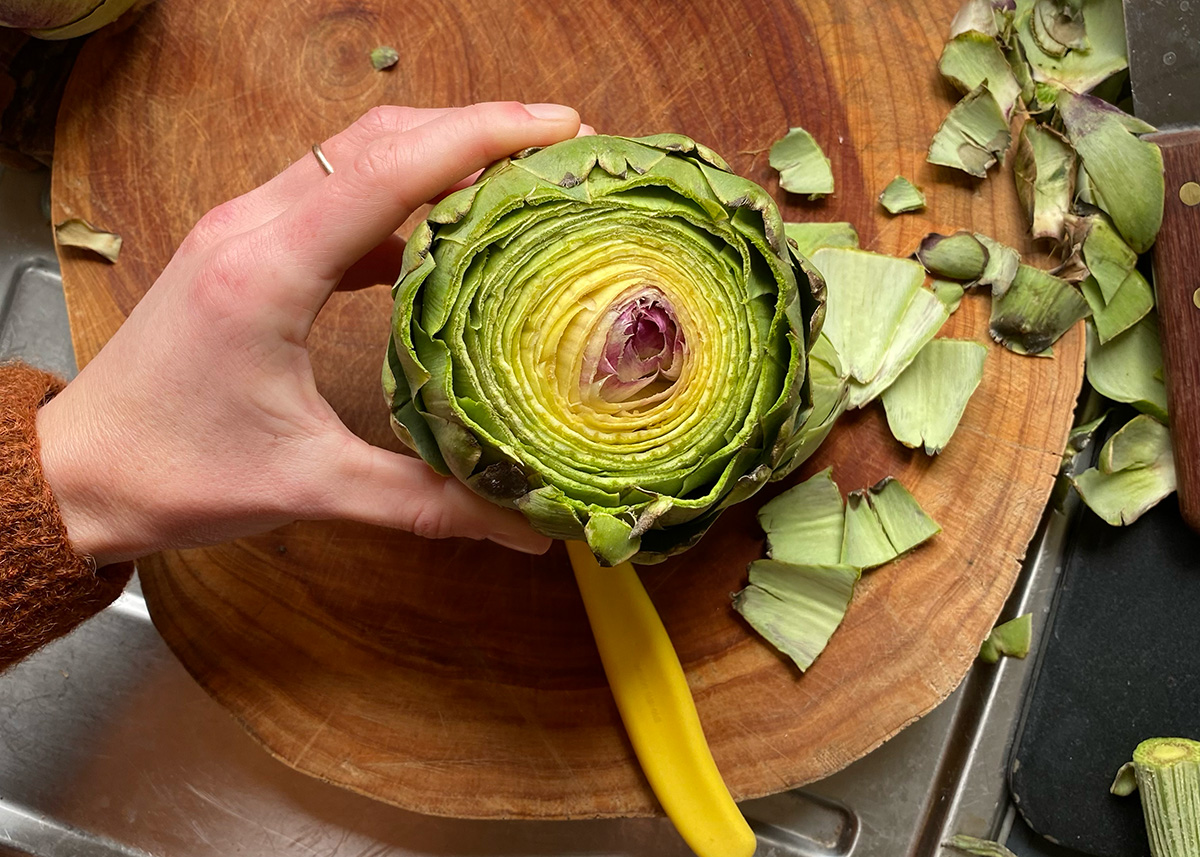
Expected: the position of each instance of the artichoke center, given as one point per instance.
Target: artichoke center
(643, 350)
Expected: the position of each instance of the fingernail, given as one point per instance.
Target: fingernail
(551, 112)
(585, 131)
(525, 543)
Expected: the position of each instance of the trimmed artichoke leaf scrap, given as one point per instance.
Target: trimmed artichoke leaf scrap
(972, 59)
(1133, 300)
(882, 523)
(812, 236)
(829, 387)
(925, 404)
(1037, 309)
(901, 196)
(949, 293)
(1001, 267)
(76, 232)
(1105, 254)
(924, 318)
(383, 57)
(802, 165)
(978, 847)
(973, 137)
(982, 16)
(1128, 368)
(1136, 470)
(1125, 173)
(960, 256)
(804, 524)
(1011, 639)
(1044, 171)
(1098, 29)
(796, 608)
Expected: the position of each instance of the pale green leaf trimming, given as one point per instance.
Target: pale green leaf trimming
(804, 524)
(864, 543)
(949, 292)
(1036, 310)
(1137, 444)
(922, 320)
(75, 232)
(1128, 367)
(1078, 71)
(796, 608)
(960, 256)
(978, 847)
(1107, 257)
(973, 59)
(1044, 172)
(901, 195)
(1010, 639)
(812, 236)
(882, 523)
(925, 404)
(973, 136)
(1142, 447)
(384, 57)
(1002, 265)
(1127, 307)
(802, 166)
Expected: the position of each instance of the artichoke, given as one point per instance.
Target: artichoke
(608, 334)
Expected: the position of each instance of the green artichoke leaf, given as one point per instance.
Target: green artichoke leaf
(949, 293)
(973, 59)
(804, 524)
(1064, 65)
(1001, 269)
(1132, 301)
(812, 236)
(960, 256)
(1036, 310)
(973, 136)
(802, 166)
(1011, 639)
(1044, 171)
(925, 404)
(1137, 470)
(901, 196)
(609, 335)
(1128, 368)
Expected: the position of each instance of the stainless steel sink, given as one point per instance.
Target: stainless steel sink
(107, 747)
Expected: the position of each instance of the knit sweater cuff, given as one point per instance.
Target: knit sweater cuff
(46, 588)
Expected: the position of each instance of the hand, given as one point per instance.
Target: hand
(200, 421)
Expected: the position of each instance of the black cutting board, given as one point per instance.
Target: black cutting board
(1119, 662)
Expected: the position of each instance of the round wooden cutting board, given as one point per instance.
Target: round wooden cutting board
(460, 678)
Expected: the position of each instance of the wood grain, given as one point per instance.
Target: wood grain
(1177, 290)
(457, 678)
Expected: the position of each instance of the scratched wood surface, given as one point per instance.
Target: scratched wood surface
(458, 678)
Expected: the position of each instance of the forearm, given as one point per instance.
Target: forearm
(46, 587)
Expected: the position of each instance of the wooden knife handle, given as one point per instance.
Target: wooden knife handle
(1177, 291)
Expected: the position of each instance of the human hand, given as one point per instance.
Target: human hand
(200, 421)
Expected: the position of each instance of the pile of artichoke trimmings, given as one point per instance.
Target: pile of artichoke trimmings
(609, 335)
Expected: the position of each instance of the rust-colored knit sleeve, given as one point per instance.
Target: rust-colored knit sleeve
(46, 589)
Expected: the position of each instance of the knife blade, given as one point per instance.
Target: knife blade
(1163, 39)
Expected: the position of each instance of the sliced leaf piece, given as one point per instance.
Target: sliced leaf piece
(810, 237)
(978, 15)
(1036, 310)
(1123, 495)
(610, 538)
(1107, 257)
(796, 608)
(973, 136)
(76, 232)
(949, 292)
(978, 847)
(1001, 267)
(1077, 70)
(903, 519)
(973, 59)
(922, 320)
(829, 390)
(1010, 639)
(802, 166)
(924, 405)
(1125, 782)
(864, 543)
(1133, 300)
(804, 524)
(960, 256)
(901, 195)
(868, 296)
(1125, 171)
(384, 57)
(1044, 172)
(1128, 367)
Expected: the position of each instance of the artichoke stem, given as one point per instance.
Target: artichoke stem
(1168, 777)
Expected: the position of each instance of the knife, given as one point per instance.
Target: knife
(1164, 66)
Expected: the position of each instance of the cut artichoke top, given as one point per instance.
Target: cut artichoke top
(607, 334)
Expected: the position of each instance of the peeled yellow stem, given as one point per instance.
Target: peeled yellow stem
(656, 706)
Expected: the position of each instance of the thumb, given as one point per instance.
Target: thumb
(388, 489)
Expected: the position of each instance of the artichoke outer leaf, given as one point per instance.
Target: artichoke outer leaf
(922, 320)
(1129, 305)
(1128, 368)
(1011, 639)
(796, 608)
(865, 545)
(973, 59)
(904, 521)
(551, 514)
(1074, 69)
(1142, 472)
(925, 404)
(1137, 444)
(802, 165)
(1044, 170)
(1037, 309)
(973, 136)
(901, 196)
(1001, 267)
(960, 256)
(610, 538)
(804, 524)
(949, 293)
(812, 236)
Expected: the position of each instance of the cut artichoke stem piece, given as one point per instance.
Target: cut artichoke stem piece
(609, 335)
(1074, 69)
(1132, 301)
(973, 59)
(1044, 172)
(804, 524)
(811, 237)
(925, 404)
(1142, 449)
(979, 847)
(1036, 310)
(1166, 774)
(883, 522)
(949, 292)
(1001, 267)
(960, 256)
(901, 196)
(1125, 172)
(1011, 639)
(76, 232)
(1128, 368)
(802, 165)
(973, 136)
(796, 608)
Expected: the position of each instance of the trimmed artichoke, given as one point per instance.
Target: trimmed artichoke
(608, 334)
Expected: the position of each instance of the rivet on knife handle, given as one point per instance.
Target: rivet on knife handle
(1176, 282)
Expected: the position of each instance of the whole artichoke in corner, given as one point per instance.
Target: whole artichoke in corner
(608, 334)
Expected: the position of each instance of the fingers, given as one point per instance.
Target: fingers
(387, 489)
(352, 211)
